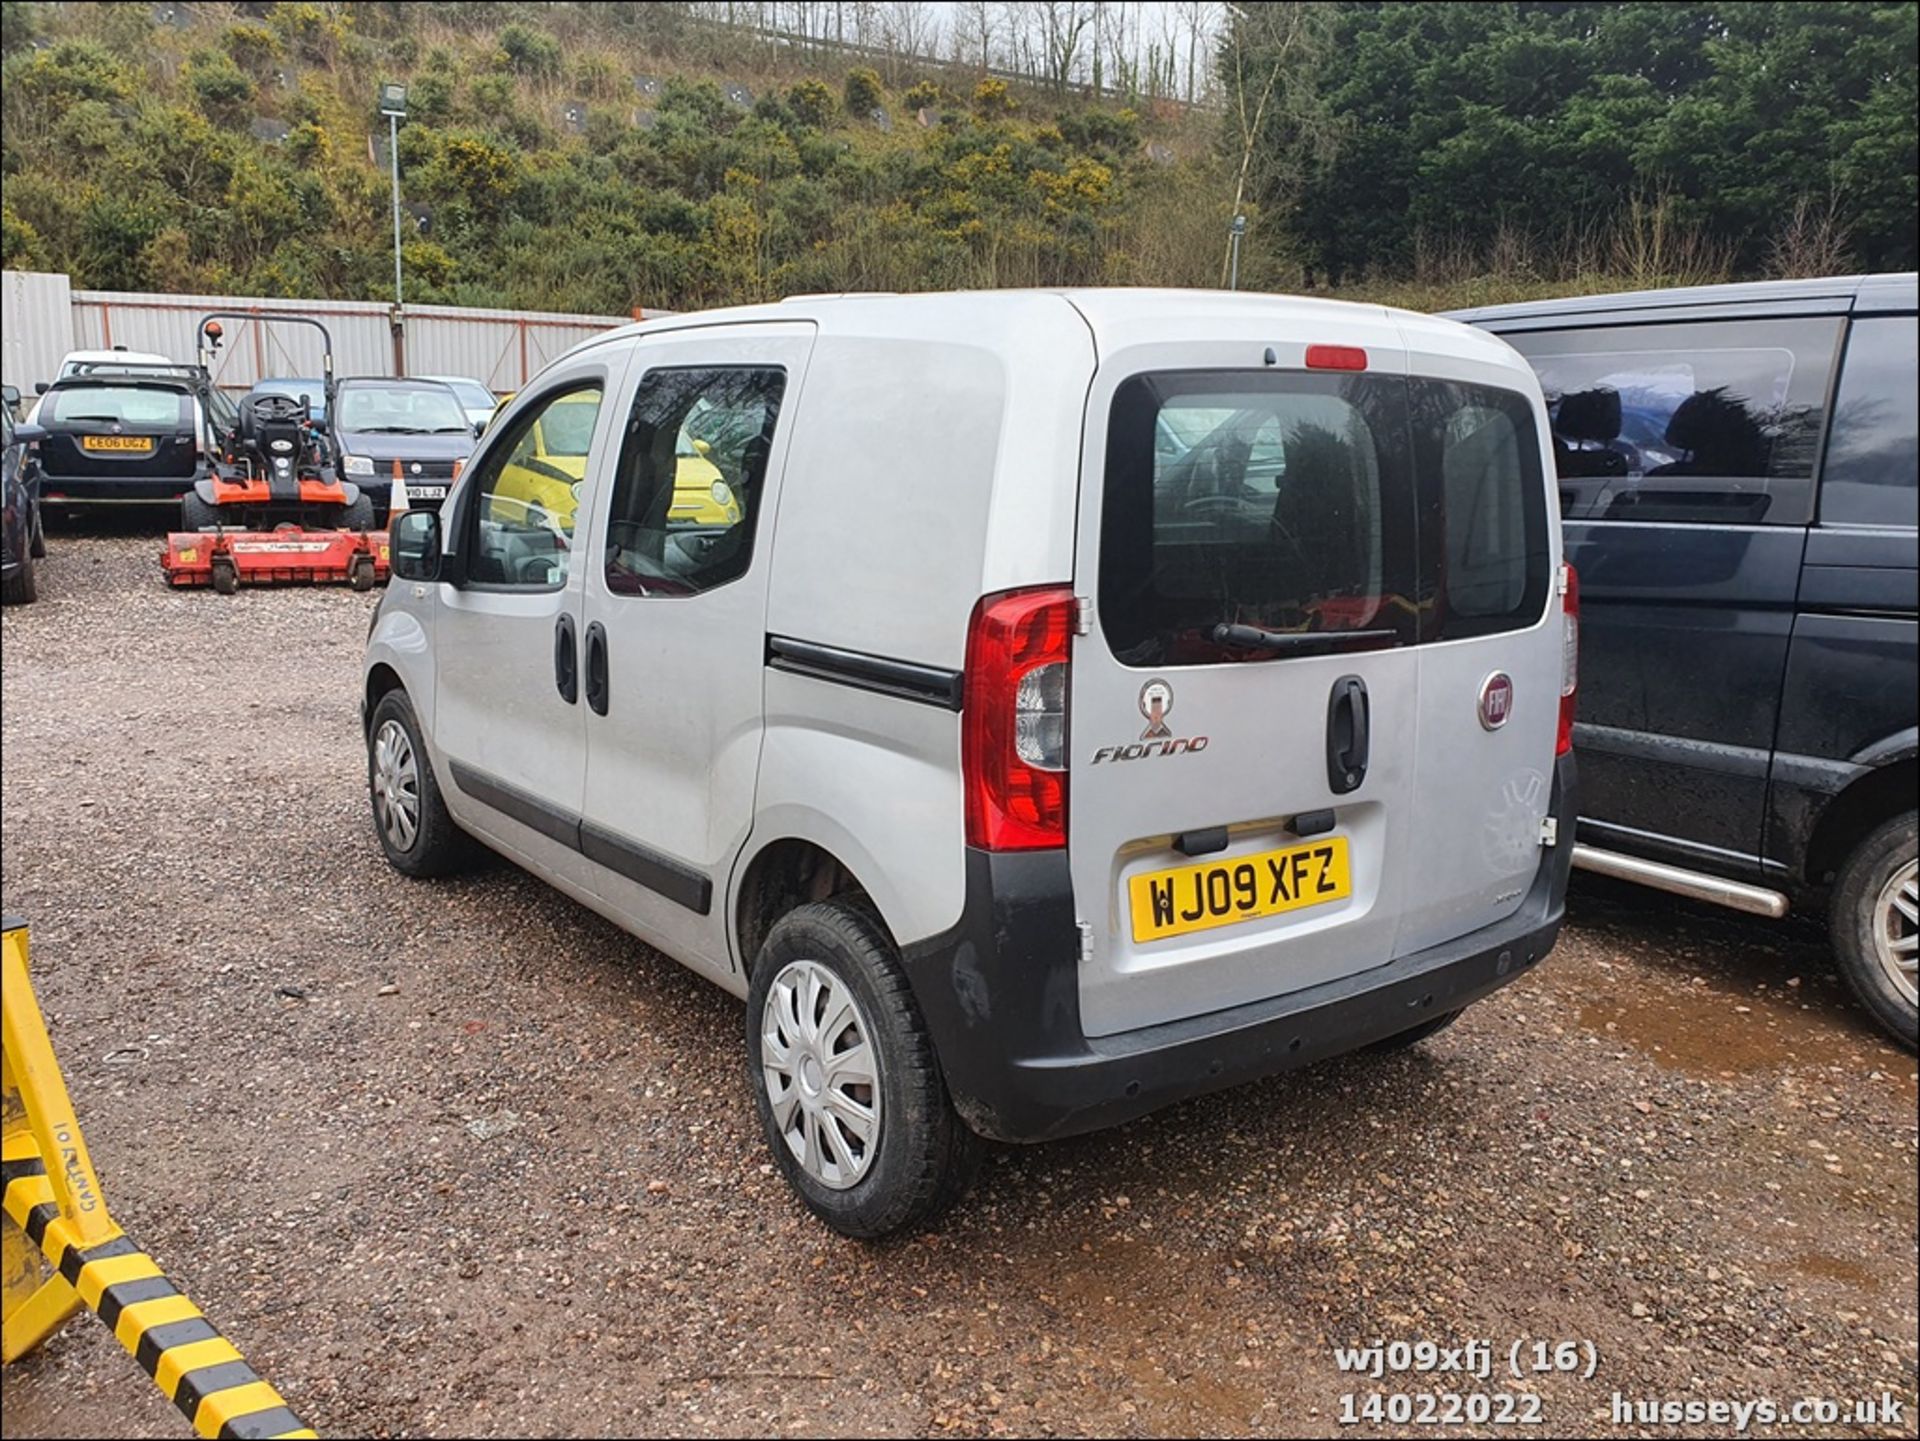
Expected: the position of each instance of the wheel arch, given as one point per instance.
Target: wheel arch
(381, 678)
(781, 875)
(1868, 801)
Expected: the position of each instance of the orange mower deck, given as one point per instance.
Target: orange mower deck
(229, 559)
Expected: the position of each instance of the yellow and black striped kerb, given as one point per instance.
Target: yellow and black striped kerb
(193, 1364)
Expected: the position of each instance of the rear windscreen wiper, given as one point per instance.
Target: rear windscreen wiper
(1252, 637)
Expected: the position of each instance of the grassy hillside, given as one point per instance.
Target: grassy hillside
(132, 161)
(595, 156)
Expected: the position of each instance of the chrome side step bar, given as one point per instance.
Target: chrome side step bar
(1754, 900)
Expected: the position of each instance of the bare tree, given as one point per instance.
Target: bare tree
(1268, 72)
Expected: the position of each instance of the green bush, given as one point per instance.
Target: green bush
(254, 48)
(863, 92)
(71, 70)
(991, 98)
(811, 101)
(530, 51)
(430, 97)
(597, 77)
(921, 96)
(18, 26)
(220, 86)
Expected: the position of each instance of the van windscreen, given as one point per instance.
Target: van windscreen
(1361, 510)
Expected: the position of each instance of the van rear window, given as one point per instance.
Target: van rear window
(1363, 510)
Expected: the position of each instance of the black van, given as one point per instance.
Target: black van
(1737, 474)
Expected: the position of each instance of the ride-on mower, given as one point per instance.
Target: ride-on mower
(271, 509)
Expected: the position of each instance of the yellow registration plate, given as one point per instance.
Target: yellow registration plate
(1245, 888)
(136, 444)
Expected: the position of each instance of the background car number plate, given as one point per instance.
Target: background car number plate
(427, 492)
(137, 443)
(1244, 888)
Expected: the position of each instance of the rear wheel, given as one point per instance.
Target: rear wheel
(359, 515)
(415, 829)
(1875, 920)
(20, 587)
(197, 514)
(845, 1078)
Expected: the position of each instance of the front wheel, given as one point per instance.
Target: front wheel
(21, 587)
(845, 1078)
(416, 831)
(1875, 920)
(359, 515)
(196, 514)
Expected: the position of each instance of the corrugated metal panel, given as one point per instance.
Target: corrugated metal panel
(165, 325)
(36, 323)
(503, 348)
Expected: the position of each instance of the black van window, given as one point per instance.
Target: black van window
(1702, 421)
(691, 478)
(1280, 501)
(1872, 475)
(1483, 508)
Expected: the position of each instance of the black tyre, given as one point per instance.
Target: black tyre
(1875, 918)
(21, 587)
(409, 816)
(845, 1079)
(359, 515)
(197, 514)
(224, 575)
(1407, 1040)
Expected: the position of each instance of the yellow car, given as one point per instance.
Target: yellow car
(539, 483)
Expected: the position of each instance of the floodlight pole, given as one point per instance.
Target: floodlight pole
(1238, 229)
(393, 155)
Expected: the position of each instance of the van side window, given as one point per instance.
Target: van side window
(1483, 519)
(1690, 422)
(1872, 473)
(524, 496)
(693, 466)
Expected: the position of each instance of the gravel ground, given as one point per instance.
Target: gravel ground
(462, 1159)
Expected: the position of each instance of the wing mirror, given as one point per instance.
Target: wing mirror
(414, 545)
(29, 434)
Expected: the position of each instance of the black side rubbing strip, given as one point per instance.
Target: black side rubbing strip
(679, 883)
(676, 880)
(530, 811)
(930, 685)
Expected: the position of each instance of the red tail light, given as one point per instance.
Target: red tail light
(1336, 357)
(1014, 727)
(1569, 659)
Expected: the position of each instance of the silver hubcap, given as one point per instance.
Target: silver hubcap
(396, 785)
(1896, 931)
(822, 1075)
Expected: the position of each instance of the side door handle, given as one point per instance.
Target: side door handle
(597, 668)
(566, 660)
(1348, 722)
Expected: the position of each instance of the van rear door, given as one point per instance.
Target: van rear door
(1313, 720)
(1245, 706)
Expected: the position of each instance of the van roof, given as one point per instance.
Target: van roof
(1106, 312)
(1886, 291)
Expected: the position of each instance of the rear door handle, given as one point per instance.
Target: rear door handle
(566, 660)
(597, 668)
(1348, 723)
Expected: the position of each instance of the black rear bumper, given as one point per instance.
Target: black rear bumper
(118, 489)
(1000, 994)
